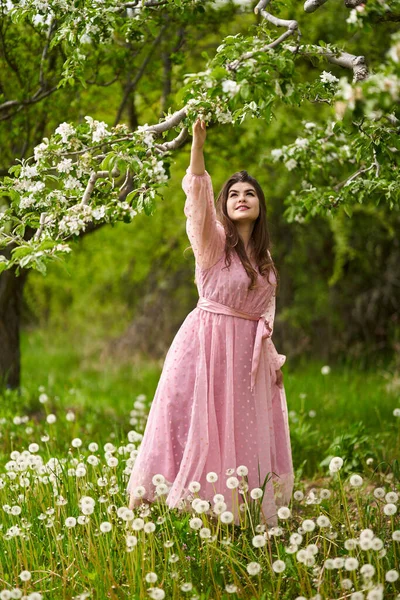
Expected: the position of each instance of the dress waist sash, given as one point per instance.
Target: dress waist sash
(263, 328)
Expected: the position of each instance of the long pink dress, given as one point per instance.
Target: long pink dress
(217, 405)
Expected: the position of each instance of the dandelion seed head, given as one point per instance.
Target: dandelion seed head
(259, 541)
(279, 566)
(391, 575)
(298, 495)
(242, 471)
(256, 493)
(367, 570)
(356, 480)
(379, 492)
(205, 532)
(253, 568)
(308, 525)
(194, 486)
(232, 483)
(284, 512)
(336, 464)
(390, 509)
(351, 563)
(195, 523)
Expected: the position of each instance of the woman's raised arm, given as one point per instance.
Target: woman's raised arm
(206, 234)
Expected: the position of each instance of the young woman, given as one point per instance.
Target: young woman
(220, 402)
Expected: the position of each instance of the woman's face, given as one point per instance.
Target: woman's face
(242, 194)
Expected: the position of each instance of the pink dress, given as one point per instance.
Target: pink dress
(217, 405)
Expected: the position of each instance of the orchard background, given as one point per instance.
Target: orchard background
(97, 101)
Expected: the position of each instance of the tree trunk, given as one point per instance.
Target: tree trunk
(11, 288)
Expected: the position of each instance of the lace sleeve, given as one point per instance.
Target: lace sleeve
(276, 359)
(206, 234)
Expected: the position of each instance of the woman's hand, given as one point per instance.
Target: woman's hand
(199, 133)
(279, 378)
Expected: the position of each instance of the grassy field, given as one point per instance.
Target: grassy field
(66, 448)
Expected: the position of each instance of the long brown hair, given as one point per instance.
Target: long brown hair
(260, 234)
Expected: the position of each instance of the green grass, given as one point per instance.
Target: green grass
(353, 418)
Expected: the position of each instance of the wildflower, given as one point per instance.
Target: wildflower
(338, 562)
(327, 77)
(347, 584)
(212, 477)
(231, 588)
(296, 538)
(187, 586)
(335, 464)
(279, 566)
(367, 570)
(375, 593)
(70, 522)
(93, 447)
(350, 544)
(379, 492)
(325, 370)
(139, 491)
(284, 512)
(351, 563)
(298, 495)
(194, 486)
(392, 575)
(390, 509)
(256, 493)
(308, 525)
(195, 523)
(76, 443)
(137, 524)
(226, 516)
(149, 527)
(105, 527)
(151, 577)
(312, 549)
(376, 543)
(131, 540)
(156, 593)
(70, 416)
(242, 471)
(356, 480)
(205, 532)
(232, 483)
(396, 535)
(259, 541)
(329, 564)
(253, 568)
(396, 412)
(33, 447)
(391, 497)
(25, 575)
(51, 418)
(323, 521)
(157, 479)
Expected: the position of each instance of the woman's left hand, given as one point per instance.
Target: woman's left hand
(279, 378)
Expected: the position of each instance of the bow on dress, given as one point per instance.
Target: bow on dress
(264, 330)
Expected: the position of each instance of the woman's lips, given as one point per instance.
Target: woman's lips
(243, 208)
